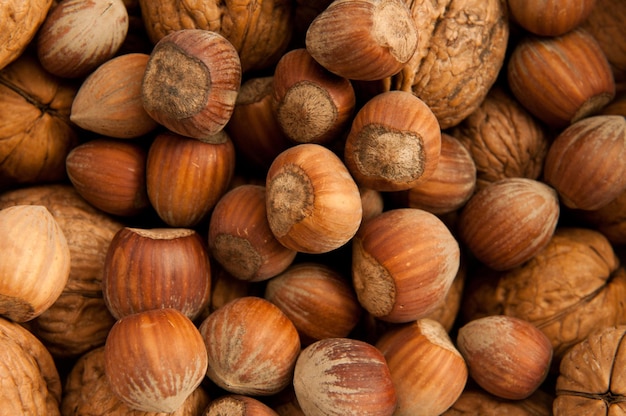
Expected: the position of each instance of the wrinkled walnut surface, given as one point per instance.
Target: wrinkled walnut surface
(474, 401)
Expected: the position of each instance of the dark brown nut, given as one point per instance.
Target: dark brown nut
(87, 391)
(238, 405)
(191, 82)
(363, 40)
(39, 135)
(30, 380)
(570, 288)
(552, 17)
(560, 79)
(339, 376)
(260, 32)
(186, 177)
(78, 36)
(459, 56)
(477, 402)
(108, 101)
(585, 162)
(422, 358)
(79, 319)
(110, 174)
(21, 20)
(394, 142)
(508, 222)
(389, 282)
(591, 380)
(311, 104)
(252, 347)
(240, 238)
(504, 139)
(313, 295)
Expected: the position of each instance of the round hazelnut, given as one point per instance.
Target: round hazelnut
(238, 405)
(551, 17)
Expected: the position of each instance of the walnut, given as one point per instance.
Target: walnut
(461, 50)
(259, 31)
(591, 376)
(20, 21)
(35, 131)
(477, 402)
(87, 392)
(29, 380)
(504, 139)
(574, 285)
(79, 320)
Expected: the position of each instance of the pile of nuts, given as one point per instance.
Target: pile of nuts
(312, 208)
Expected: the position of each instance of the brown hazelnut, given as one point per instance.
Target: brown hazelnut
(585, 162)
(186, 177)
(191, 82)
(422, 360)
(340, 376)
(311, 104)
(252, 347)
(394, 142)
(552, 17)
(506, 223)
(403, 264)
(610, 220)
(507, 356)
(560, 79)
(110, 174)
(240, 238)
(304, 184)
(156, 268)
(77, 36)
(154, 360)
(363, 39)
(238, 405)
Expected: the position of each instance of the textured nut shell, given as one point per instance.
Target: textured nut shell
(461, 51)
(36, 134)
(509, 221)
(477, 402)
(29, 380)
(591, 377)
(78, 320)
(610, 220)
(422, 358)
(109, 102)
(252, 347)
(35, 262)
(448, 309)
(87, 391)
(569, 289)
(504, 139)
(343, 376)
(79, 35)
(238, 405)
(259, 31)
(585, 162)
(551, 17)
(21, 20)
(147, 373)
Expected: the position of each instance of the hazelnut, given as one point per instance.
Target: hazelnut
(610, 220)
(340, 376)
(186, 177)
(372, 202)
(156, 268)
(507, 356)
(304, 184)
(560, 79)
(35, 264)
(110, 174)
(240, 238)
(312, 105)
(363, 39)
(77, 36)
(403, 264)
(394, 142)
(422, 360)
(585, 162)
(108, 101)
(502, 232)
(550, 18)
(475, 401)
(238, 405)
(252, 347)
(191, 82)
(154, 360)
(314, 295)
